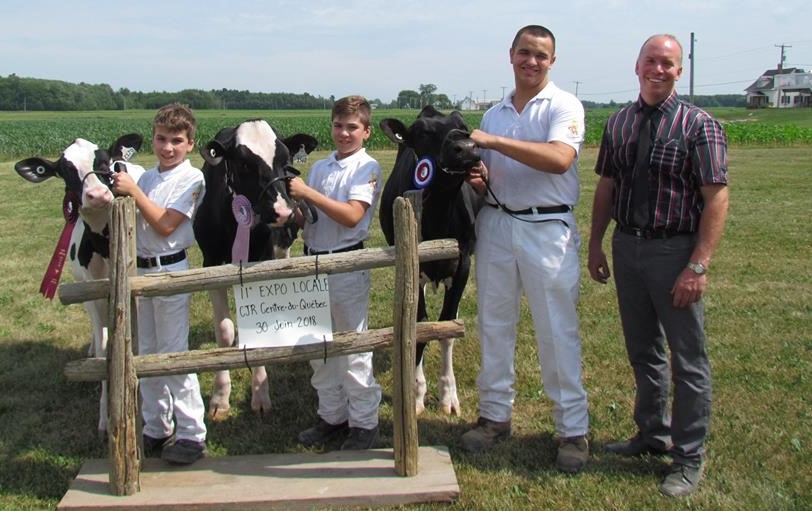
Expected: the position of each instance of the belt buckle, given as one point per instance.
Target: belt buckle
(639, 232)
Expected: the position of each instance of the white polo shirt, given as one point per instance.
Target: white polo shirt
(181, 189)
(356, 177)
(553, 115)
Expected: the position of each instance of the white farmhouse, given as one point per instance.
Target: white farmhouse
(781, 88)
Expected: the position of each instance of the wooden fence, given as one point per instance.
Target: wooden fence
(121, 368)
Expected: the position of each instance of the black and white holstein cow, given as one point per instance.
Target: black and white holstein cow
(86, 170)
(434, 154)
(248, 163)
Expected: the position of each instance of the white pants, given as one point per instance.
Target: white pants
(169, 404)
(541, 260)
(345, 385)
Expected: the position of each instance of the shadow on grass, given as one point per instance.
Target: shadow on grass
(532, 455)
(47, 424)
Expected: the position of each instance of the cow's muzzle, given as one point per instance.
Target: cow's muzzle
(458, 152)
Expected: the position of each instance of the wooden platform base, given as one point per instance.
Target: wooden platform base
(272, 481)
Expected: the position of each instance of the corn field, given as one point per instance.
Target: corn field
(24, 134)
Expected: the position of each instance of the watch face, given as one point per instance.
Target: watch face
(697, 268)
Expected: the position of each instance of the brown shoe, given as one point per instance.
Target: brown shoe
(485, 435)
(573, 453)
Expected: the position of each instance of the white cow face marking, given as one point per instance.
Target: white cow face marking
(258, 137)
(82, 154)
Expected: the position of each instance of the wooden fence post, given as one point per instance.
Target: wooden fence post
(405, 325)
(122, 392)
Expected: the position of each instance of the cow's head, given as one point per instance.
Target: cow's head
(441, 144)
(85, 168)
(256, 162)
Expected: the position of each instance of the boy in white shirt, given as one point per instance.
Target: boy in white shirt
(345, 187)
(167, 197)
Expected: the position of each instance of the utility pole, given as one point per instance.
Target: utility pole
(503, 91)
(484, 96)
(783, 57)
(778, 98)
(577, 83)
(691, 58)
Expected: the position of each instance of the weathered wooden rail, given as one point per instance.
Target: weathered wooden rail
(122, 369)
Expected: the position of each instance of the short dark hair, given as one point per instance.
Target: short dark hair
(536, 31)
(352, 105)
(176, 117)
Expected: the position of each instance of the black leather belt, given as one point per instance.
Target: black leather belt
(152, 262)
(538, 210)
(357, 246)
(650, 234)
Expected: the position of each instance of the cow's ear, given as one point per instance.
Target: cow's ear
(36, 169)
(394, 129)
(125, 147)
(429, 111)
(456, 115)
(296, 142)
(213, 152)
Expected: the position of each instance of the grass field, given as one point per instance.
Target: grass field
(759, 312)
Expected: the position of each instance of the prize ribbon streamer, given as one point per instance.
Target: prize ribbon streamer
(70, 210)
(244, 215)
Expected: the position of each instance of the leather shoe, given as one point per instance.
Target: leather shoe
(634, 447)
(485, 435)
(681, 480)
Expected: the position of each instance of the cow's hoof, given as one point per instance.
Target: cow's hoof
(261, 399)
(219, 403)
(218, 413)
(452, 409)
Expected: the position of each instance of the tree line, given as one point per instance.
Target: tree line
(35, 94)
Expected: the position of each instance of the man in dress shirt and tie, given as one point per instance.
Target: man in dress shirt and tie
(663, 179)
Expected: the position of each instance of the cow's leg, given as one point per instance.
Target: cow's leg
(419, 375)
(97, 311)
(447, 382)
(260, 393)
(224, 333)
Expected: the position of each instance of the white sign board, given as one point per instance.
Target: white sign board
(284, 312)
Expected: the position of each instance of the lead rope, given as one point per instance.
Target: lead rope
(510, 212)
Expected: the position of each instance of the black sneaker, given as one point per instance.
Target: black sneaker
(154, 446)
(183, 452)
(321, 433)
(360, 439)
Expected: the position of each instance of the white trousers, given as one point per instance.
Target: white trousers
(541, 260)
(169, 404)
(345, 385)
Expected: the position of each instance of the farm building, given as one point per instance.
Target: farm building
(781, 88)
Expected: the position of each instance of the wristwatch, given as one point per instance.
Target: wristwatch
(697, 268)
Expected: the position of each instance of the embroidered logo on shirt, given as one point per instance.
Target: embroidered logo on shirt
(574, 128)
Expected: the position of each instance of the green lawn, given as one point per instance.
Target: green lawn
(759, 312)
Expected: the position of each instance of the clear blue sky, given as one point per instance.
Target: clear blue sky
(378, 48)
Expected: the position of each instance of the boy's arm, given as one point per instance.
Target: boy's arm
(163, 220)
(347, 213)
